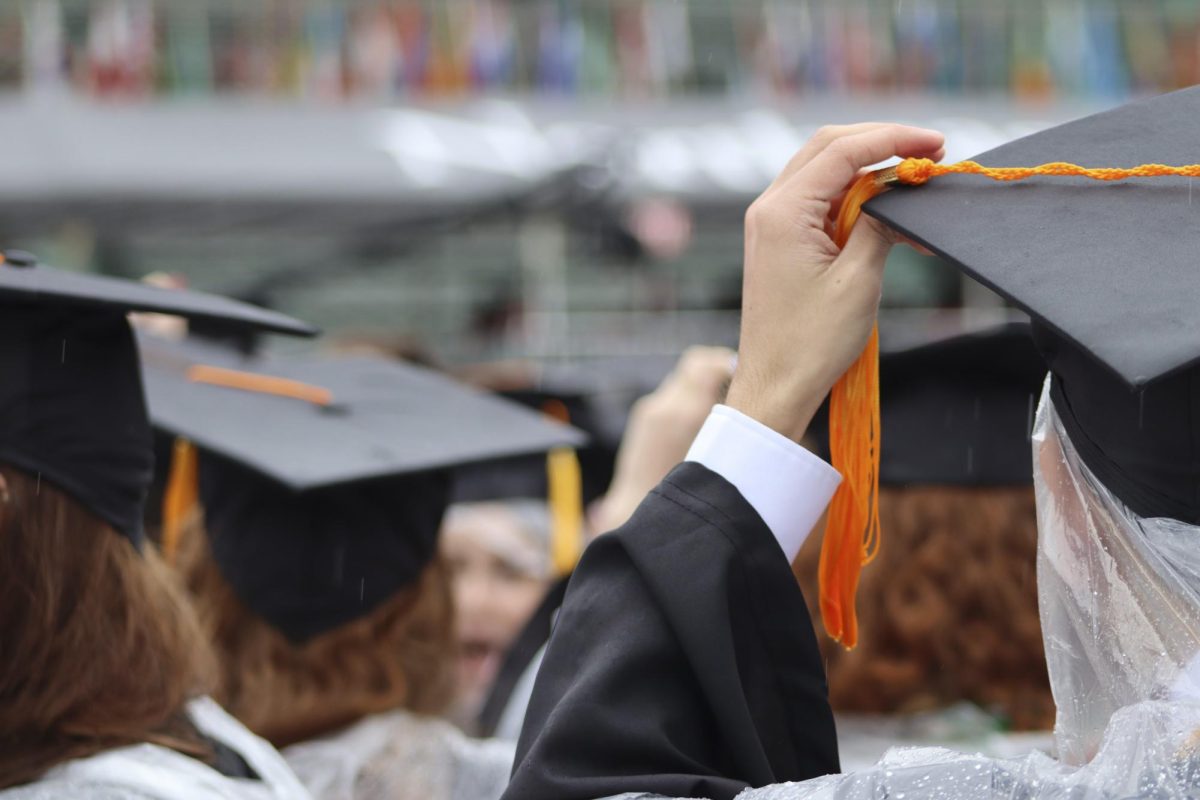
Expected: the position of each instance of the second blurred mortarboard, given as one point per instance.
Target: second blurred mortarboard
(554, 479)
(72, 410)
(595, 395)
(958, 411)
(566, 479)
(1108, 273)
(324, 480)
(596, 456)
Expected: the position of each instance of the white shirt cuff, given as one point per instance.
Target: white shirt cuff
(787, 485)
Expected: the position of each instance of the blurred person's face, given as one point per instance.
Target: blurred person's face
(499, 572)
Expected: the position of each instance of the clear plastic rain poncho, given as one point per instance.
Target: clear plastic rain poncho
(151, 772)
(1119, 597)
(402, 756)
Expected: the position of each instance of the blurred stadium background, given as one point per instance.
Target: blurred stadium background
(562, 181)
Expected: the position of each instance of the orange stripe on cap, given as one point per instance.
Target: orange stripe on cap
(261, 384)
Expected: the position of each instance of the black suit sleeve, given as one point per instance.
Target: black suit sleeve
(683, 662)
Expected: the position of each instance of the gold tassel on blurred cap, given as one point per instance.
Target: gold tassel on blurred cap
(182, 496)
(564, 482)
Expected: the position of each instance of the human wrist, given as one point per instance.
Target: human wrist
(786, 412)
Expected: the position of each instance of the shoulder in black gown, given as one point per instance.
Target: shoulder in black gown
(683, 661)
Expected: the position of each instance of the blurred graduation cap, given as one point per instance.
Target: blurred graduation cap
(72, 410)
(958, 411)
(1108, 273)
(595, 396)
(566, 478)
(324, 480)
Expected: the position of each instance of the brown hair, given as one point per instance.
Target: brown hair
(399, 656)
(100, 649)
(947, 611)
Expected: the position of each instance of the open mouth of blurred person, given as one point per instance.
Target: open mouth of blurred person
(498, 556)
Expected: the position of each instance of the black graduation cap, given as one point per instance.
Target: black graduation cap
(72, 409)
(526, 477)
(596, 396)
(517, 478)
(324, 480)
(1108, 271)
(23, 279)
(958, 411)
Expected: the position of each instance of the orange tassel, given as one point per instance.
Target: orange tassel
(852, 528)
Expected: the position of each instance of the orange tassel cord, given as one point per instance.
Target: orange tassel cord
(852, 532)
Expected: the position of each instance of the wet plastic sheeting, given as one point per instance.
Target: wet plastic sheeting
(1119, 597)
(1145, 755)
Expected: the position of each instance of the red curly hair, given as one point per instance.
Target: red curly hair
(398, 656)
(948, 610)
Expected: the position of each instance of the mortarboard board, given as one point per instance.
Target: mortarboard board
(72, 410)
(1108, 273)
(382, 417)
(25, 281)
(320, 509)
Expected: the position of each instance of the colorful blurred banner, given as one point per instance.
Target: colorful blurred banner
(372, 49)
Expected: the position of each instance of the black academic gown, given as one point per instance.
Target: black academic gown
(683, 661)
